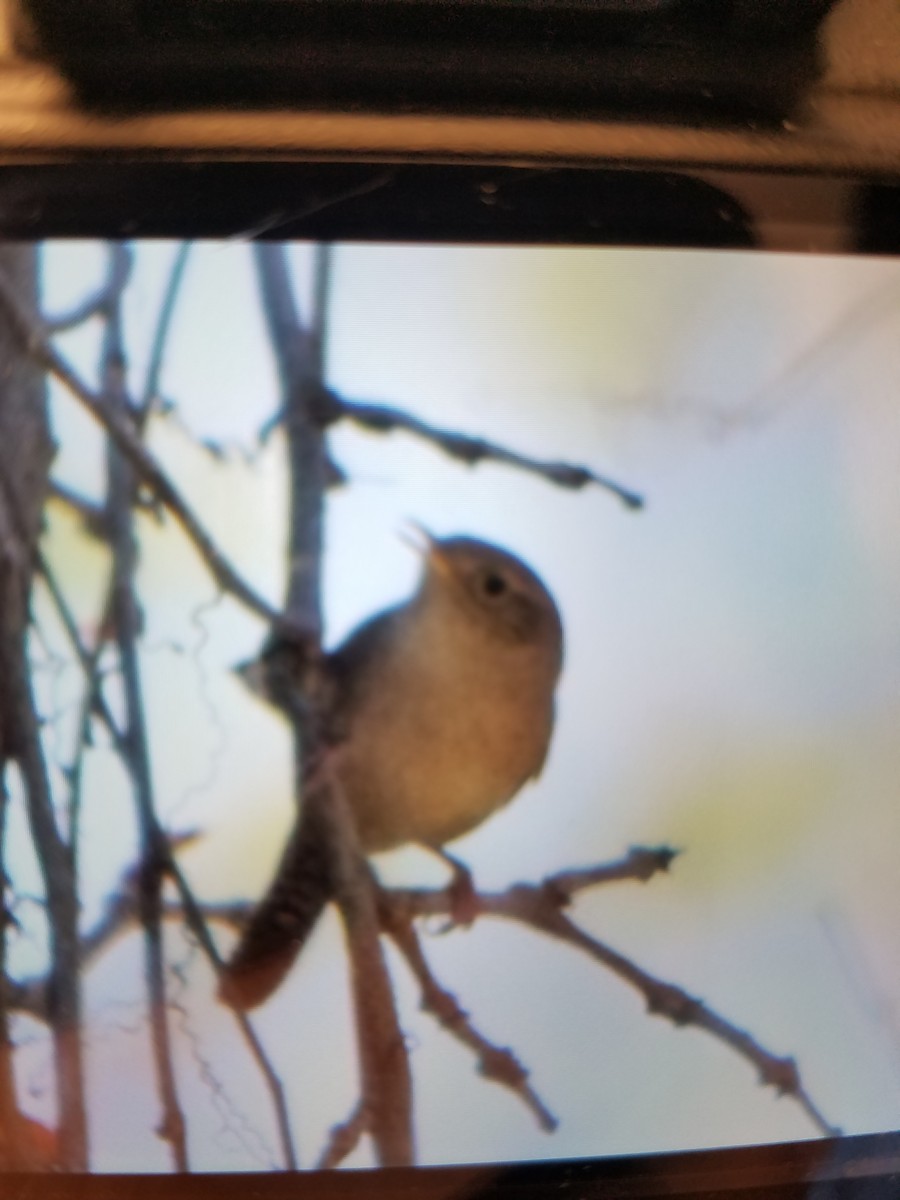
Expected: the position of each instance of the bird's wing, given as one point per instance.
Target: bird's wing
(353, 666)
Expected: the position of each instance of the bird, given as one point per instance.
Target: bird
(444, 708)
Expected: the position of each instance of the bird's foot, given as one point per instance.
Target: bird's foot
(465, 905)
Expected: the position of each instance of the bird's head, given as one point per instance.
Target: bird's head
(491, 585)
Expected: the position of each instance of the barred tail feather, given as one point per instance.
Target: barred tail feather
(283, 919)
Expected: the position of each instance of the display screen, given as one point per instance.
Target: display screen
(730, 691)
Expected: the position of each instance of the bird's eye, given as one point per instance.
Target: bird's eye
(493, 584)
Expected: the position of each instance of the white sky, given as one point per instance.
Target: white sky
(731, 684)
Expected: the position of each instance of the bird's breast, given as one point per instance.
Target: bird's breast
(449, 727)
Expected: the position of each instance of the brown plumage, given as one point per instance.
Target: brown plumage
(444, 709)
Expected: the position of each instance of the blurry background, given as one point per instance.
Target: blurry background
(732, 684)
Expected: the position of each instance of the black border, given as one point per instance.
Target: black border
(447, 203)
(866, 1167)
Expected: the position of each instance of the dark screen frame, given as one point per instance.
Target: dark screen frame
(865, 1167)
(447, 202)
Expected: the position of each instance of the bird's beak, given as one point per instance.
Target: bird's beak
(424, 543)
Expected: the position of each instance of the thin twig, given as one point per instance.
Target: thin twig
(14, 1150)
(323, 277)
(194, 919)
(84, 655)
(122, 910)
(497, 1063)
(94, 305)
(75, 772)
(344, 1139)
(640, 863)
(64, 990)
(385, 1076)
(298, 358)
(385, 1080)
(666, 1000)
(539, 907)
(122, 488)
(196, 922)
(150, 394)
(534, 905)
(383, 418)
(299, 365)
(151, 473)
(92, 515)
(25, 441)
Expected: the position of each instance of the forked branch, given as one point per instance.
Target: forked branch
(539, 907)
(385, 1107)
(150, 472)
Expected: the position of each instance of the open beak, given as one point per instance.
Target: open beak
(418, 538)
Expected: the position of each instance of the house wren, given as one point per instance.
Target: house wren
(444, 707)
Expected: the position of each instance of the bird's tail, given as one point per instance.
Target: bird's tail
(282, 921)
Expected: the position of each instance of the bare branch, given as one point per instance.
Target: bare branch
(538, 907)
(323, 276)
(64, 992)
(86, 657)
(383, 418)
(24, 458)
(122, 908)
(276, 1091)
(385, 1081)
(298, 357)
(96, 304)
(150, 394)
(75, 771)
(122, 489)
(16, 1151)
(535, 905)
(344, 1139)
(92, 515)
(666, 1000)
(641, 863)
(385, 1078)
(195, 920)
(151, 473)
(496, 1063)
(121, 913)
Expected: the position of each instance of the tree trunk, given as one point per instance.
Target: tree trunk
(26, 449)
